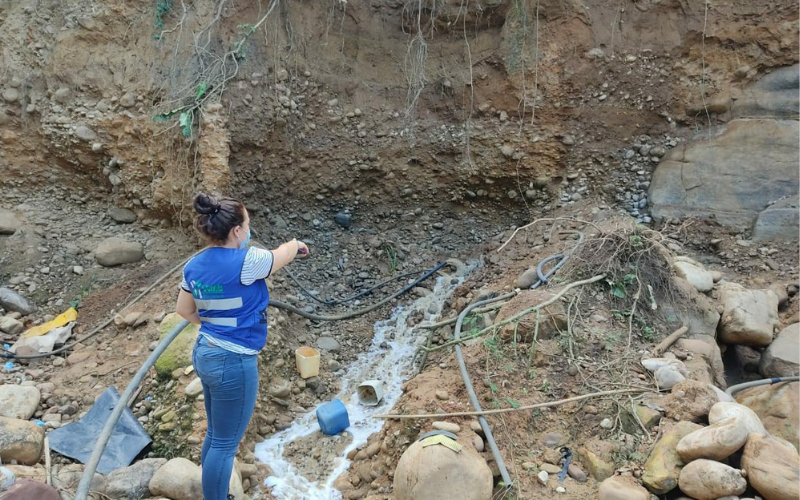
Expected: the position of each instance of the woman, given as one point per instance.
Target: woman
(223, 290)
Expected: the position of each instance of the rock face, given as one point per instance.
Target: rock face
(750, 316)
(132, 483)
(773, 467)
(731, 423)
(17, 401)
(424, 473)
(12, 301)
(8, 222)
(782, 357)
(774, 95)
(709, 480)
(663, 466)
(179, 353)
(20, 440)
(757, 158)
(778, 407)
(779, 221)
(115, 251)
(622, 488)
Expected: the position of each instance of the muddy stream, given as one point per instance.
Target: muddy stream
(304, 462)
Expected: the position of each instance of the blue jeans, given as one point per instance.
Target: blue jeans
(230, 386)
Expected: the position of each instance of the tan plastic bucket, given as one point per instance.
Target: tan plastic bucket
(307, 359)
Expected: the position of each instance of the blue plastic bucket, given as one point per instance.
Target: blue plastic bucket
(332, 417)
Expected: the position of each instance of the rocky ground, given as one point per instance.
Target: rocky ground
(682, 118)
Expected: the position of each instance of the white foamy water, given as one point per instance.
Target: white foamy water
(393, 366)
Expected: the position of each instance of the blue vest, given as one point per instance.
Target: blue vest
(228, 309)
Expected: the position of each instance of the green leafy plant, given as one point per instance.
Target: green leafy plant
(162, 9)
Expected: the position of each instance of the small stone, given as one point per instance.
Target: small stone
(543, 476)
(127, 100)
(577, 474)
(328, 344)
(11, 326)
(478, 443)
(77, 270)
(442, 395)
(61, 95)
(606, 423)
(10, 95)
(561, 489)
(280, 388)
(122, 215)
(447, 426)
(86, 134)
(342, 219)
(195, 388)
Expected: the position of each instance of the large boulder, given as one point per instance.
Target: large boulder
(731, 424)
(423, 473)
(779, 221)
(69, 476)
(699, 314)
(8, 222)
(179, 353)
(663, 466)
(132, 483)
(709, 480)
(749, 317)
(12, 301)
(115, 251)
(181, 479)
(774, 95)
(18, 401)
(20, 440)
(691, 401)
(772, 467)
(782, 357)
(778, 407)
(178, 479)
(705, 347)
(552, 318)
(694, 273)
(621, 488)
(29, 489)
(731, 171)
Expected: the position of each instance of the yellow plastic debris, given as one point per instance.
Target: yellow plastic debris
(441, 440)
(62, 319)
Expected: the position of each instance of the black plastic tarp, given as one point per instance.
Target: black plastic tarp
(77, 440)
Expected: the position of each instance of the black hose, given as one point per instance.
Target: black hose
(336, 302)
(540, 268)
(316, 317)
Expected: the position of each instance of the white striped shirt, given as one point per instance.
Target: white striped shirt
(257, 266)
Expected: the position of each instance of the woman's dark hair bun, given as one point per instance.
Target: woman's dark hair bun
(217, 216)
(205, 204)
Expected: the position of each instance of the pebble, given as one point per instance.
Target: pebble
(342, 219)
(577, 474)
(561, 489)
(77, 270)
(442, 395)
(606, 423)
(543, 476)
(447, 426)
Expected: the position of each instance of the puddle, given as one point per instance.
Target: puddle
(303, 449)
